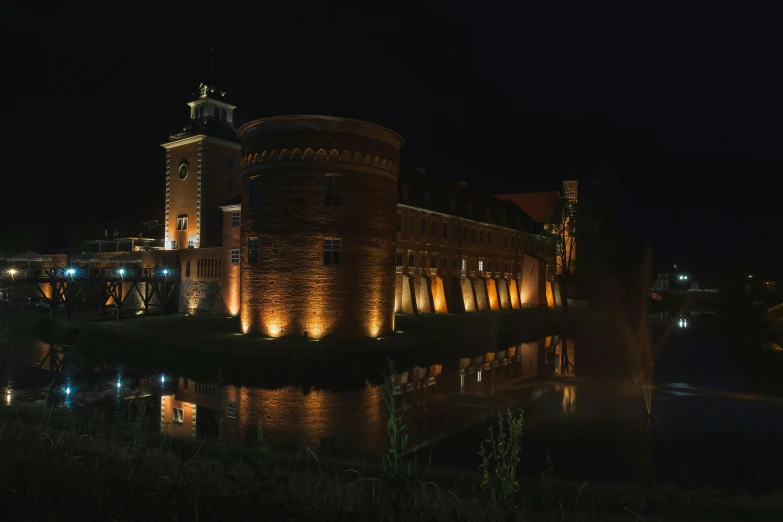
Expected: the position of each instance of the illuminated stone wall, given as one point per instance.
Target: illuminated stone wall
(229, 275)
(200, 282)
(468, 296)
(529, 283)
(492, 294)
(480, 291)
(407, 294)
(513, 290)
(438, 295)
(424, 294)
(505, 300)
(289, 290)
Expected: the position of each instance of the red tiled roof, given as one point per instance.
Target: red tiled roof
(538, 205)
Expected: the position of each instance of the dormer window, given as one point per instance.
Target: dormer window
(223, 114)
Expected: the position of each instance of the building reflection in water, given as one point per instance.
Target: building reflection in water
(440, 399)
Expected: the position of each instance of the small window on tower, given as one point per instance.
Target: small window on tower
(255, 193)
(234, 256)
(252, 250)
(333, 191)
(182, 222)
(235, 219)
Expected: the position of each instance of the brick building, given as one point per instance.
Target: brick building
(307, 226)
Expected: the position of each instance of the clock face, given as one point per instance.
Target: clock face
(183, 171)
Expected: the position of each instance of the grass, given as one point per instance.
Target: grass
(196, 344)
(94, 467)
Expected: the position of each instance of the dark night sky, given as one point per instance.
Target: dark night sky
(683, 106)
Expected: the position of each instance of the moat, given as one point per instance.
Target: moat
(586, 411)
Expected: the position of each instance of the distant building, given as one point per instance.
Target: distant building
(661, 283)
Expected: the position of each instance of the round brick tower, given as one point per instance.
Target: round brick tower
(318, 227)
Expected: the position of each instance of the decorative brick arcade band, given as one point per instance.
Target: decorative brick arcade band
(318, 233)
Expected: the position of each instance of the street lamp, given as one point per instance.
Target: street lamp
(12, 272)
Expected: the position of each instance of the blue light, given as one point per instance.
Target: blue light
(70, 271)
(121, 271)
(118, 383)
(68, 390)
(162, 379)
(165, 271)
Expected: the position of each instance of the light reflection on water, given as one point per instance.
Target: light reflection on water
(553, 380)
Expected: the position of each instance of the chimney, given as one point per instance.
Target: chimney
(462, 183)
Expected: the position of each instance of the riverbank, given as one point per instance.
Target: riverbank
(95, 468)
(197, 345)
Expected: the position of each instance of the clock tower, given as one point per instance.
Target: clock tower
(202, 171)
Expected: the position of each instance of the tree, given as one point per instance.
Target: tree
(569, 222)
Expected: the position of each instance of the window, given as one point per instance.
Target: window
(426, 196)
(229, 163)
(513, 241)
(178, 416)
(252, 250)
(216, 113)
(411, 224)
(497, 266)
(473, 235)
(234, 256)
(464, 264)
(445, 230)
(489, 237)
(106, 233)
(464, 233)
(411, 260)
(455, 228)
(443, 262)
(334, 190)
(505, 266)
(187, 269)
(255, 193)
(405, 191)
(331, 251)
(423, 227)
(182, 222)
(434, 261)
(454, 263)
(434, 228)
(232, 410)
(117, 232)
(235, 219)
(173, 244)
(497, 239)
(399, 222)
(481, 265)
(505, 241)
(223, 114)
(481, 236)
(399, 259)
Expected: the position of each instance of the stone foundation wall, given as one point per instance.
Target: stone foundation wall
(200, 296)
